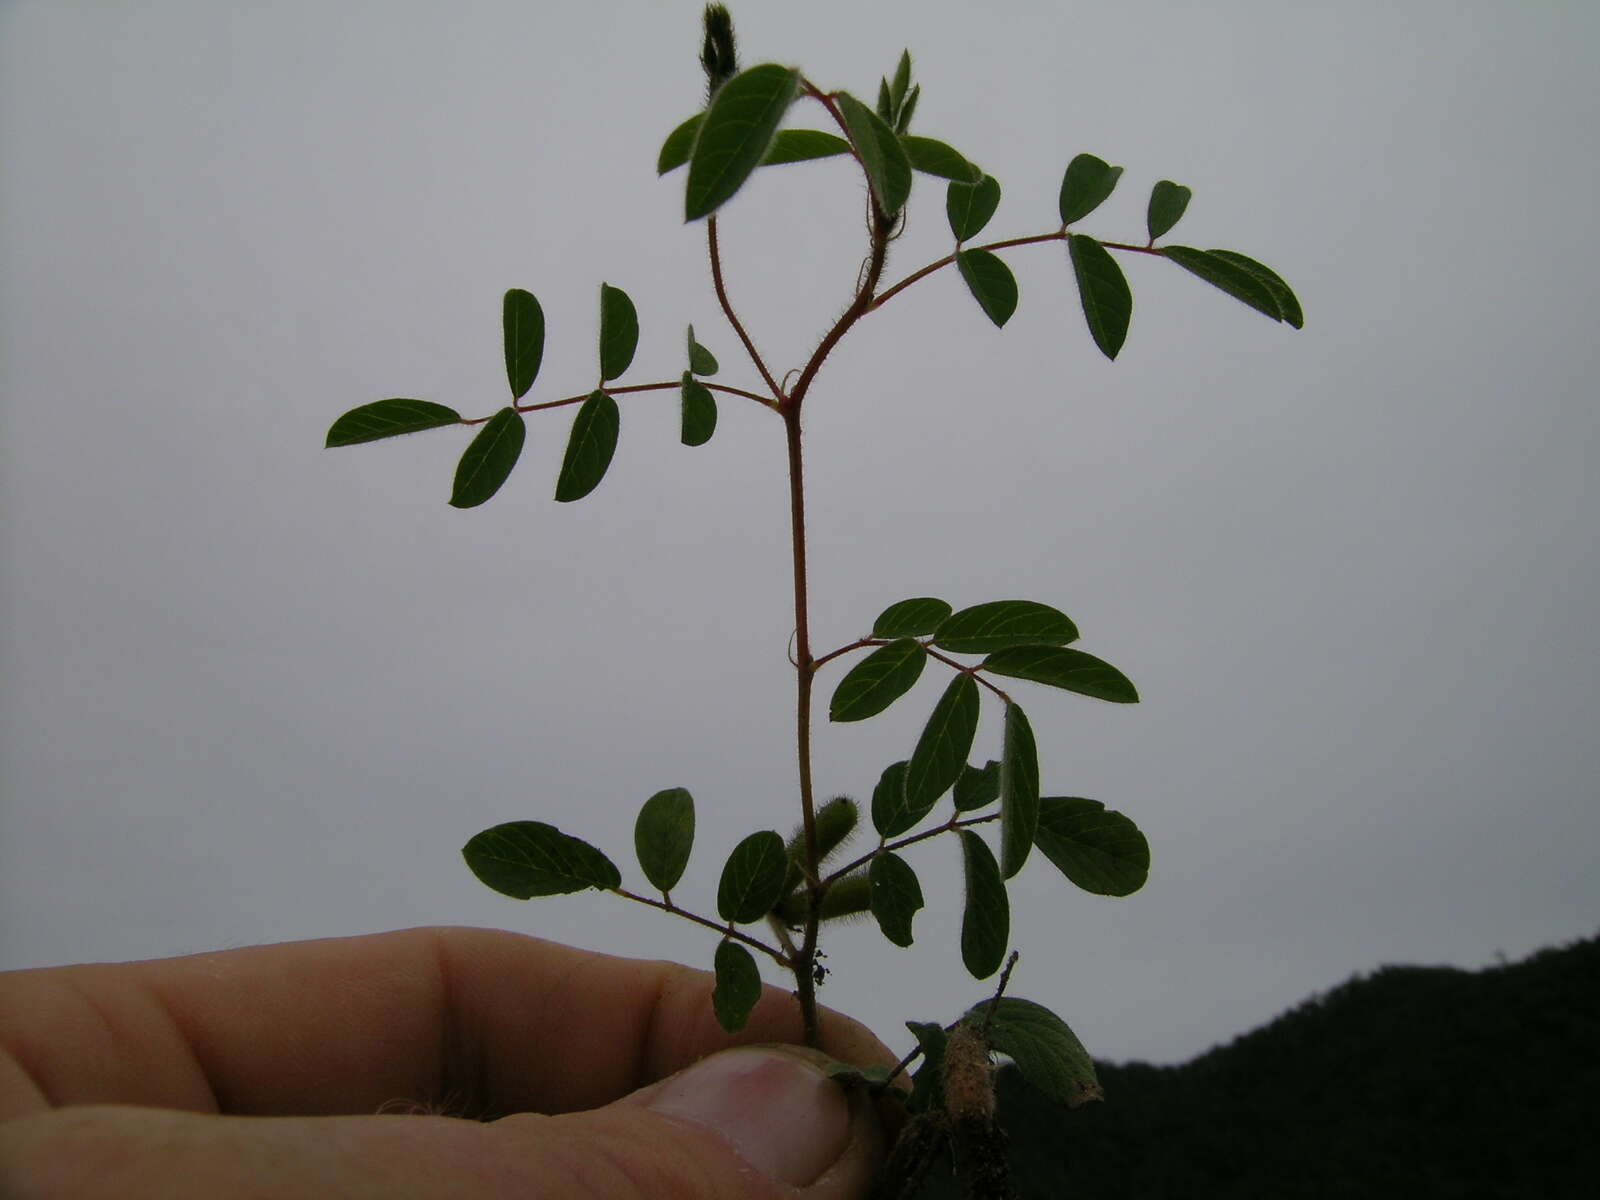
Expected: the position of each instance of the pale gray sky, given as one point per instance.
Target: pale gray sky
(256, 690)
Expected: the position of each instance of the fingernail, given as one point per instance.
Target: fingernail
(783, 1117)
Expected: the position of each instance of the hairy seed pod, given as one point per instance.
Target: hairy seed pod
(848, 897)
(835, 821)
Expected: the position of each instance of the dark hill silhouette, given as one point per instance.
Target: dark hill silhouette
(1428, 1083)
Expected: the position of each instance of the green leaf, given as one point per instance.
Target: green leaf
(1107, 302)
(675, 150)
(488, 459)
(902, 81)
(801, 145)
(1001, 623)
(1019, 791)
(903, 121)
(986, 920)
(699, 412)
(877, 681)
(943, 747)
(701, 360)
(523, 320)
(738, 985)
(1167, 202)
(896, 896)
(752, 878)
(1046, 1051)
(1099, 849)
(910, 618)
(970, 205)
(885, 100)
(882, 156)
(524, 859)
(1230, 277)
(1085, 186)
(928, 1083)
(619, 331)
(933, 157)
(1064, 668)
(890, 815)
(388, 418)
(991, 283)
(738, 130)
(1288, 303)
(663, 836)
(977, 787)
(589, 448)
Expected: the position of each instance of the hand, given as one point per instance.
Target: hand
(278, 1071)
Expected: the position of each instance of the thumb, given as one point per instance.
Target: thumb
(753, 1123)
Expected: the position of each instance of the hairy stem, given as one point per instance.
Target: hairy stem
(723, 928)
(727, 310)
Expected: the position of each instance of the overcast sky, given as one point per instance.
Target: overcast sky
(256, 690)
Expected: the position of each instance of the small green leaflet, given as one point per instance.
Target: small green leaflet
(903, 121)
(910, 618)
(802, 145)
(1288, 303)
(896, 896)
(488, 459)
(701, 360)
(589, 448)
(1085, 186)
(1045, 1049)
(943, 747)
(1000, 623)
(1237, 281)
(1107, 302)
(699, 412)
(523, 859)
(619, 331)
(890, 815)
(738, 985)
(1066, 668)
(970, 205)
(1167, 203)
(752, 878)
(902, 81)
(663, 836)
(1019, 791)
(933, 157)
(991, 283)
(977, 787)
(986, 920)
(1098, 849)
(389, 418)
(675, 150)
(877, 681)
(523, 321)
(882, 156)
(735, 135)
(885, 101)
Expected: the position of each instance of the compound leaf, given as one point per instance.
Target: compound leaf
(1019, 791)
(910, 618)
(991, 283)
(589, 448)
(1084, 187)
(752, 878)
(1000, 623)
(1228, 276)
(389, 418)
(1107, 302)
(1063, 667)
(986, 919)
(882, 156)
(1045, 1049)
(933, 157)
(970, 205)
(736, 134)
(1098, 849)
(488, 459)
(699, 412)
(896, 896)
(1167, 203)
(877, 681)
(524, 859)
(619, 331)
(663, 836)
(943, 747)
(738, 985)
(523, 320)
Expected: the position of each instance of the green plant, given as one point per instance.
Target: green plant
(775, 895)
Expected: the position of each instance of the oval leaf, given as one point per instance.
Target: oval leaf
(1107, 302)
(488, 459)
(890, 816)
(986, 919)
(1019, 791)
(896, 896)
(877, 681)
(752, 878)
(663, 836)
(943, 747)
(735, 135)
(991, 283)
(1167, 203)
(801, 145)
(589, 448)
(701, 360)
(882, 156)
(1045, 1049)
(675, 150)
(1001, 623)
(977, 787)
(1288, 302)
(1084, 187)
(1098, 849)
(933, 157)
(738, 985)
(1227, 276)
(699, 412)
(970, 205)
(524, 859)
(619, 331)
(388, 418)
(910, 618)
(1065, 668)
(523, 321)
